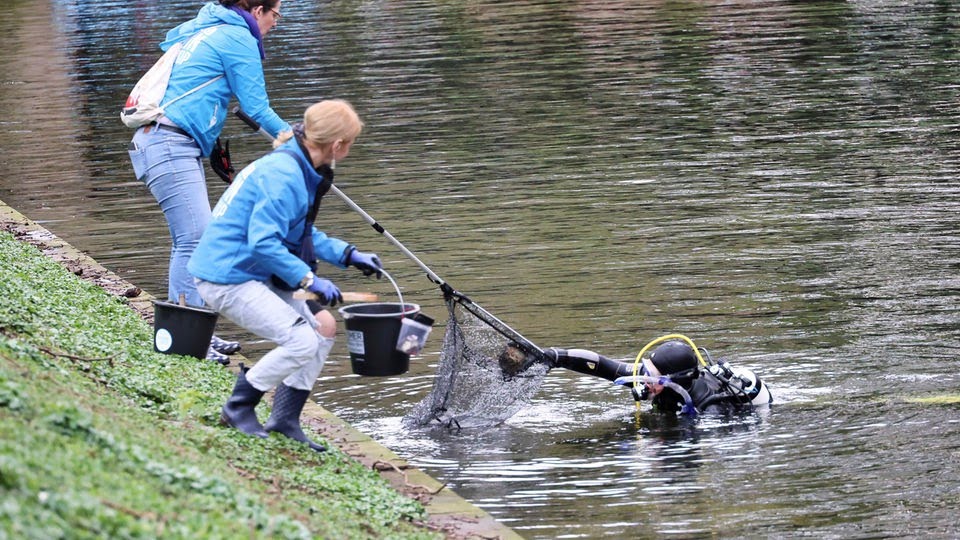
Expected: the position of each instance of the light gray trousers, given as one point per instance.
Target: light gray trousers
(274, 315)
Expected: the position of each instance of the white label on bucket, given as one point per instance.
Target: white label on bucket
(163, 340)
(355, 342)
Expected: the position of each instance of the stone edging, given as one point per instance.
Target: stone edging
(448, 513)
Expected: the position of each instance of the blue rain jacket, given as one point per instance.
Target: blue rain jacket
(258, 221)
(211, 50)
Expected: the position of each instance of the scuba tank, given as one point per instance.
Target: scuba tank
(742, 382)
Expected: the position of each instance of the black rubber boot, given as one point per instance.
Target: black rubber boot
(285, 417)
(240, 409)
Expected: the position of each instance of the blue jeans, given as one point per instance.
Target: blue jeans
(274, 315)
(170, 166)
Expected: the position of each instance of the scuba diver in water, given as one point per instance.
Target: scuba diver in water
(675, 377)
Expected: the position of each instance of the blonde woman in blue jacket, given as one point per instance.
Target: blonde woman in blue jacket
(260, 246)
(222, 56)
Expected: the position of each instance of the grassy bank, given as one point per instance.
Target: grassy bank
(102, 437)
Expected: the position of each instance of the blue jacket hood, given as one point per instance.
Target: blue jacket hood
(211, 14)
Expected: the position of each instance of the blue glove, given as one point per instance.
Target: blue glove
(369, 263)
(327, 292)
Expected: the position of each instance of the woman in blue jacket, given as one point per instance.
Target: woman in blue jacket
(260, 246)
(222, 47)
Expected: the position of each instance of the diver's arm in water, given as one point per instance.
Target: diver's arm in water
(590, 363)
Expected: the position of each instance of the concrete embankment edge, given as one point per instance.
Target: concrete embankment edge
(449, 513)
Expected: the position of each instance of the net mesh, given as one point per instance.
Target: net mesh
(477, 383)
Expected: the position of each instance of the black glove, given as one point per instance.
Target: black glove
(369, 263)
(220, 161)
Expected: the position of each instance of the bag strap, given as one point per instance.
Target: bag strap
(188, 92)
(200, 86)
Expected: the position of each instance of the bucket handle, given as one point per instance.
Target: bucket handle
(403, 307)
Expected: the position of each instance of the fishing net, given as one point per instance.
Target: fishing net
(483, 377)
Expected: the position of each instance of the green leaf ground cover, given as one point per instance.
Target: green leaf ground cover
(104, 438)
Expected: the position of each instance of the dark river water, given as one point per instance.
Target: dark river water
(775, 179)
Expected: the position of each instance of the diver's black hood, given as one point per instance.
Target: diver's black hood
(676, 359)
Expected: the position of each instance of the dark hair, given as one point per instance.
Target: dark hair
(248, 5)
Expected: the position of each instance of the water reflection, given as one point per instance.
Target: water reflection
(774, 180)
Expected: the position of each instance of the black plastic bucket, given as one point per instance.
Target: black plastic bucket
(182, 329)
(372, 332)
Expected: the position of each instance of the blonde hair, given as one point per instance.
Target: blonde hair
(326, 122)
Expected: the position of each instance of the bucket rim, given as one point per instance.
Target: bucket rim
(199, 309)
(401, 312)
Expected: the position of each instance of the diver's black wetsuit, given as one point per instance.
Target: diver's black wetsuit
(708, 392)
(590, 363)
(710, 395)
